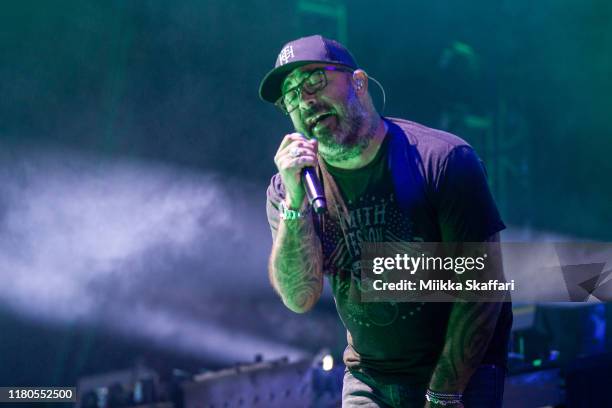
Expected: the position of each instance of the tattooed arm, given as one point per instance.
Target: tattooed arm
(295, 266)
(470, 328)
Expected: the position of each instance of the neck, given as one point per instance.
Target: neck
(368, 154)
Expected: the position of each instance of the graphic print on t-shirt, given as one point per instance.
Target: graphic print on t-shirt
(371, 218)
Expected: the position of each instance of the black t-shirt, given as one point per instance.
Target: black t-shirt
(423, 185)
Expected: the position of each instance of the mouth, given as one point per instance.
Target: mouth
(313, 121)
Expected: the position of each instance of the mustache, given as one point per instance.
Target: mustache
(309, 115)
(315, 110)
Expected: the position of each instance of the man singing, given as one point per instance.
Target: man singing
(385, 180)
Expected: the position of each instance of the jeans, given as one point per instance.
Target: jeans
(485, 390)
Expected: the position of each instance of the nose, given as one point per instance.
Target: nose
(307, 99)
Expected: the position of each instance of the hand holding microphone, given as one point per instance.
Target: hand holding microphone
(296, 160)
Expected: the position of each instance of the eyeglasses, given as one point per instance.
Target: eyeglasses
(313, 82)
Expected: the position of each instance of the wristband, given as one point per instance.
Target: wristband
(443, 399)
(287, 213)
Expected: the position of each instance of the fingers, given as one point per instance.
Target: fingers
(295, 140)
(294, 153)
(297, 163)
(297, 150)
(291, 137)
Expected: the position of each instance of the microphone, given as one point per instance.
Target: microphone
(314, 190)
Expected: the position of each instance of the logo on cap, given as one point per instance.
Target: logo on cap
(285, 54)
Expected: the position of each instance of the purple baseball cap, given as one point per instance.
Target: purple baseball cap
(303, 51)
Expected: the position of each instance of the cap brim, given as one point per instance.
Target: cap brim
(270, 86)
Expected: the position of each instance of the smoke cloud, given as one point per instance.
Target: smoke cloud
(167, 253)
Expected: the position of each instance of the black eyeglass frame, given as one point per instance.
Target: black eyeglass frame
(299, 87)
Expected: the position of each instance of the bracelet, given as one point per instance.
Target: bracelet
(443, 399)
(287, 213)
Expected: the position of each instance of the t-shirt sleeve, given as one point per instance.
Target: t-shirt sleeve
(274, 195)
(465, 206)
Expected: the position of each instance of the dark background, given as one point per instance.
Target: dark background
(109, 107)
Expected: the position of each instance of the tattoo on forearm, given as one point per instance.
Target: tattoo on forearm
(295, 266)
(471, 326)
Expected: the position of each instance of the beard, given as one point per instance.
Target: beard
(346, 140)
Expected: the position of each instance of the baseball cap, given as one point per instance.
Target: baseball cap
(303, 51)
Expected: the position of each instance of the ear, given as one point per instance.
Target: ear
(360, 81)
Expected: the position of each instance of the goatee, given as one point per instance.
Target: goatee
(347, 140)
